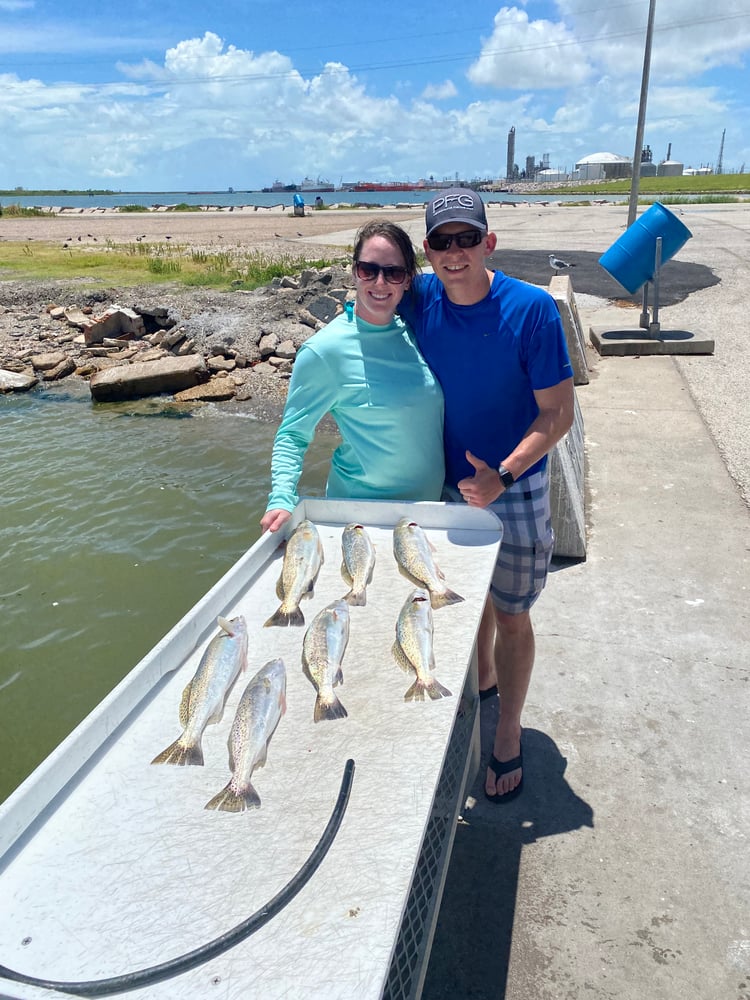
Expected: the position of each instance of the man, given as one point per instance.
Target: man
(498, 349)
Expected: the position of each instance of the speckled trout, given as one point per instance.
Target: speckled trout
(261, 706)
(414, 555)
(204, 697)
(358, 563)
(303, 558)
(322, 653)
(413, 650)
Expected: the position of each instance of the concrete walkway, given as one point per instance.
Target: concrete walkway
(623, 869)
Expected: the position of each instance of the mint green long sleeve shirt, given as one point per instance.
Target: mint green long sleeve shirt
(388, 407)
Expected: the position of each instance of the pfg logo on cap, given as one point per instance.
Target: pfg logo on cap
(456, 205)
(464, 200)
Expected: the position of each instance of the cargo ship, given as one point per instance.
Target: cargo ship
(390, 186)
(314, 186)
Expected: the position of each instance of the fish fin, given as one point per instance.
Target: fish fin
(358, 600)
(280, 588)
(178, 753)
(415, 692)
(185, 705)
(225, 625)
(339, 678)
(444, 599)
(310, 592)
(412, 579)
(401, 658)
(436, 690)
(433, 688)
(346, 575)
(228, 800)
(327, 709)
(285, 618)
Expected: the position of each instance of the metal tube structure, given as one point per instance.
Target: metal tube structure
(633, 205)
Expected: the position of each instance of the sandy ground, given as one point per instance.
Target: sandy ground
(268, 230)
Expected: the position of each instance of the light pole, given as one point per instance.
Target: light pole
(635, 181)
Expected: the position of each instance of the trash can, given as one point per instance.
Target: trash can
(299, 204)
(631, 259)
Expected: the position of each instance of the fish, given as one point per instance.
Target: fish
(413, 552)
(323, 650)
(413, 650)
(259, 711)
(204, 697)
(303, 558)
(357, 564)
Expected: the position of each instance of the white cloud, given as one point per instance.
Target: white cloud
(213, 114)
(439, 91)
(523, 54)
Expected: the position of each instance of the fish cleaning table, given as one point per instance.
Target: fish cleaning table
(110, 865)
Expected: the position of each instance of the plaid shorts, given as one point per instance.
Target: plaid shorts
(526, 550)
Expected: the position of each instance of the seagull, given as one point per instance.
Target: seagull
(558, 265)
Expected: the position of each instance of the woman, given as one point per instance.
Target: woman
(365, 370)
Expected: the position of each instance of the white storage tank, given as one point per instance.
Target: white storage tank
(670, 168)
(603, 166)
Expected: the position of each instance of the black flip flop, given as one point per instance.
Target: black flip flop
(501, 767)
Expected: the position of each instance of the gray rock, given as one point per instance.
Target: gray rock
(267, 344)
(324, 308)
(16, 381)
(219, 364)
(146, 378)
(45, 362)
(66, 367)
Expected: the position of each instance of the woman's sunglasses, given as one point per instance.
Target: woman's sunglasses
(468, 238)
(368, 271)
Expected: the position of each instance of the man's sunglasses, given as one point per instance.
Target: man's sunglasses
(368, 271)
(468, 238)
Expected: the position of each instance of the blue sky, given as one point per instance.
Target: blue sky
(146, 96)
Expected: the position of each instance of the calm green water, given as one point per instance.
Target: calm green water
(114, 520)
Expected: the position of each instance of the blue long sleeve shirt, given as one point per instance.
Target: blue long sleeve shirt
(388, 407)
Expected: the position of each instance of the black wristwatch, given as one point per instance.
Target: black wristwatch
(506, 477)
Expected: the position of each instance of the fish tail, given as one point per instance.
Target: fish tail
(444, 599)
(357, 600)
(415, 692)
(436, 690)
(230, 800)
(179, 753)
(284, 618)
(328, 709)
(432, 688)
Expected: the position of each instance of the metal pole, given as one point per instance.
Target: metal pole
(654, 326)
(633, 206)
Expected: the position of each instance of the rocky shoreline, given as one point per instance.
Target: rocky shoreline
(247, 340)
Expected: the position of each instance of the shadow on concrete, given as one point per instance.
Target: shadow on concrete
(471, 949)
(588, 277)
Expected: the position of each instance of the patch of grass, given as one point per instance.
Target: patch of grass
(691, 186)
(139, 263)
(183, 207)
(132, 208)
(704, 199)
(16, 212)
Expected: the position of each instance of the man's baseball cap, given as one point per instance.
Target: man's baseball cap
(456, 205)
